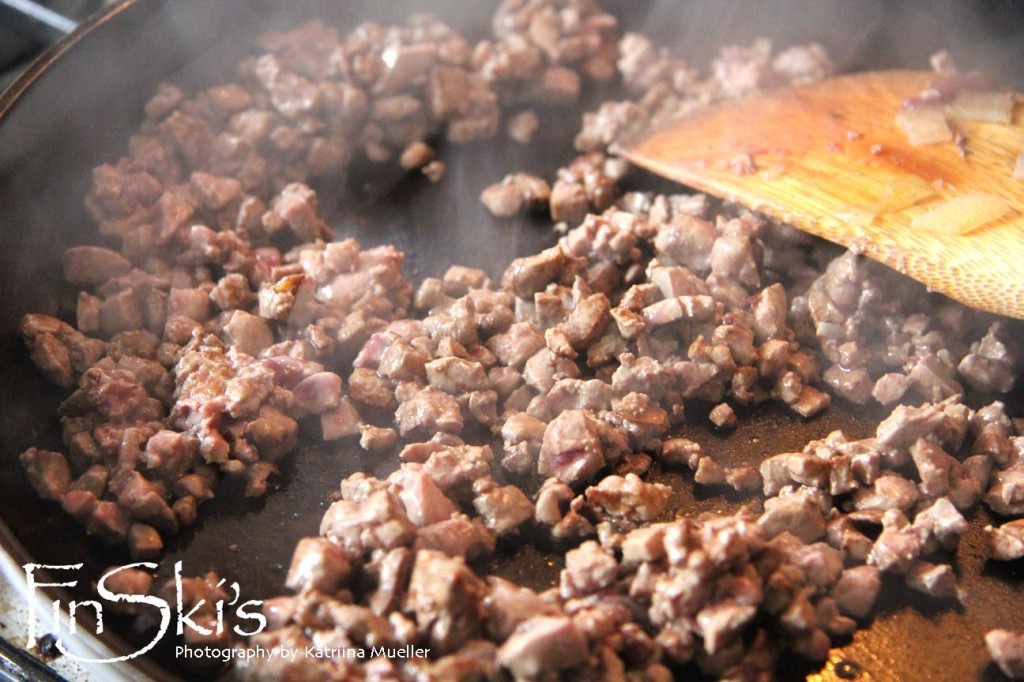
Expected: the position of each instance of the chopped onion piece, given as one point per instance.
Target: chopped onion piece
(991, 106)
(929, 99)
(948, 87)
(1018, 169)
(857, 216)
(904, 191)
(924, 126)
(962, 214)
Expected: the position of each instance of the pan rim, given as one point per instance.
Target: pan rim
(41, 64)
(13, 555)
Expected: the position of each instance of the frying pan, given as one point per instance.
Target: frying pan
(77, 105)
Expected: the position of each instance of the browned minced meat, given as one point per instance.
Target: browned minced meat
(786, 566)
(698, 615)
(516, 193)
(1007, 650)
(221, 315)
(127, 581)
(883, 345)
(201, 597)
(1006, 542)
(160, 415)
(523, 126)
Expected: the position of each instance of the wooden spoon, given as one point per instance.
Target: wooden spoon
(824, 154)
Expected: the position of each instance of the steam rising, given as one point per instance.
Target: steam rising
(987, 35)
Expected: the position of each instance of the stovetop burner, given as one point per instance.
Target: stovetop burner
(22, 39)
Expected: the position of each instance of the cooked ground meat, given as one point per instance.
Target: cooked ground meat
(1007, 541)
(1007, 650)
(226, 315)
(543, 644)
(518, 192)
(576, 446)
(523, 126)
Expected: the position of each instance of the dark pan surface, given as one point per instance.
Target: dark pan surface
(81, 108)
